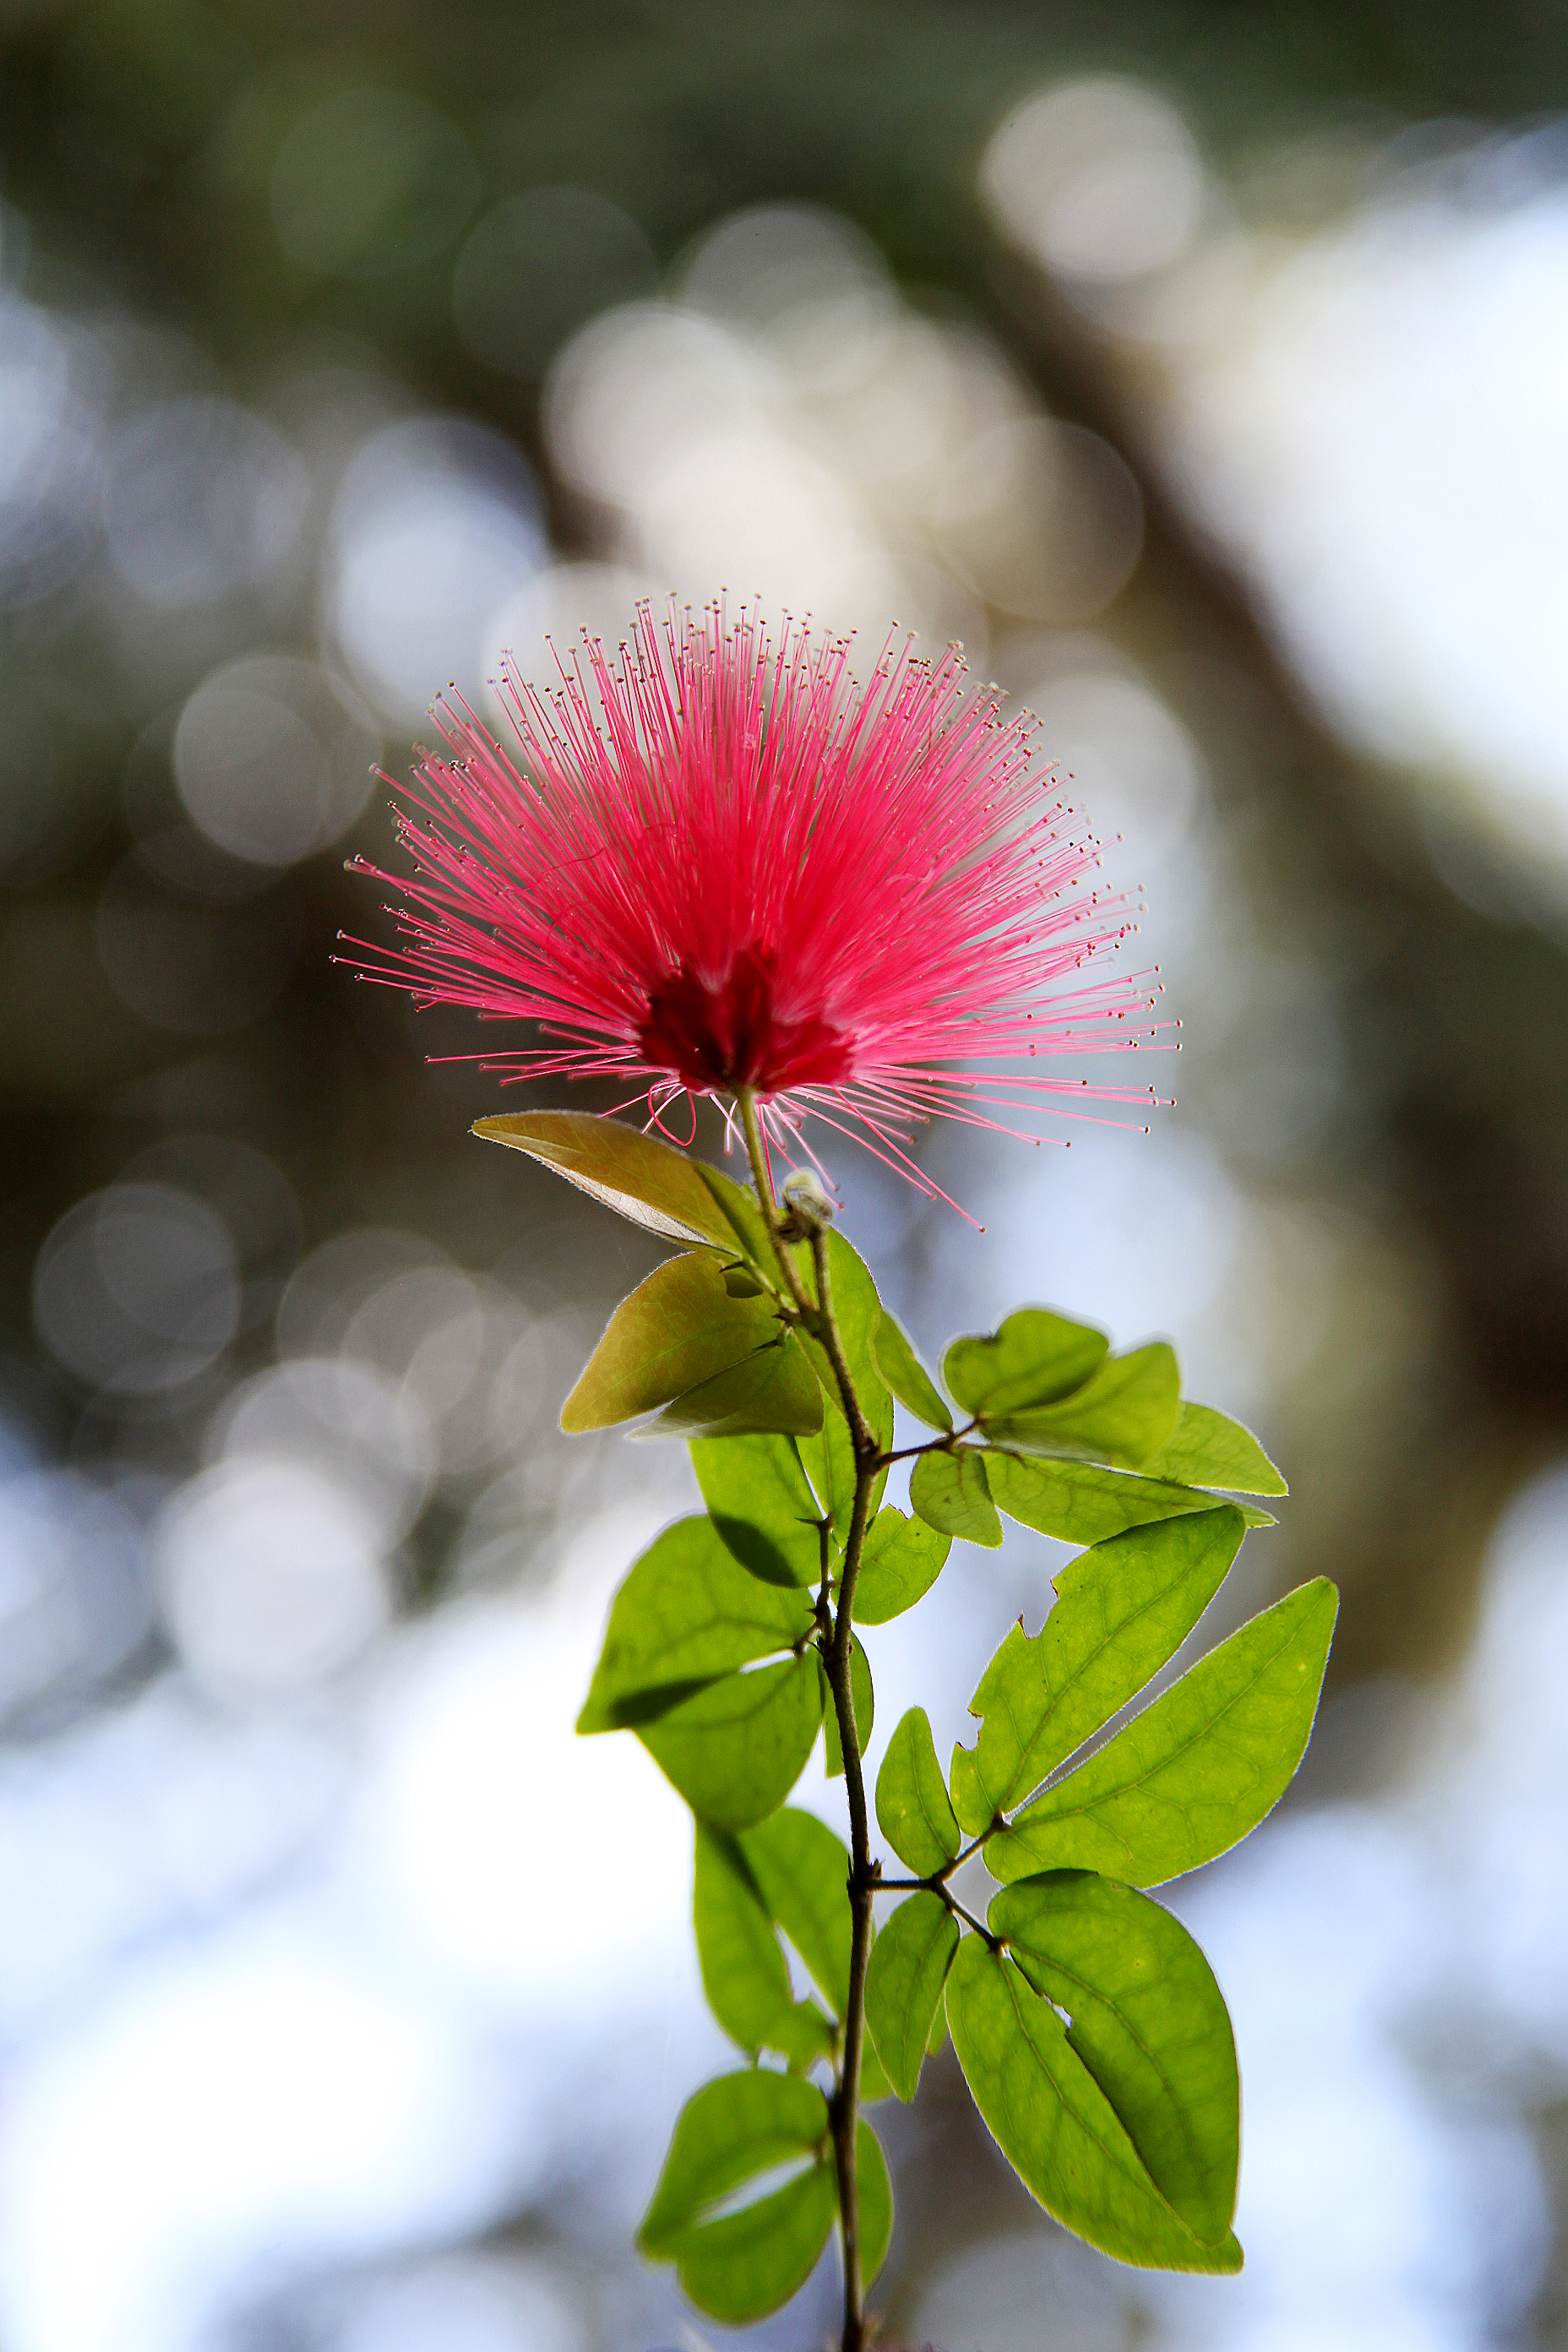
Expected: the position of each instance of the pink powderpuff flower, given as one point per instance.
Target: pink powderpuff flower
(722, 866)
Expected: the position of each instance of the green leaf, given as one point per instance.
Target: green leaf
(687, 1613)
(1082, 1504)
(727, 2132)
(829, 1458)
(874, 2198)
(1033, 1359)
(937, 2033)
(900, 1561)
(800, 2035)
(907, 1377)
(1197, 1769)
(740, 2266)
(1055, 2125)
(802, 1869)
(904, 1981)
(951, 1492)
(864, 1700)
(757, 1495)
(741, 1283)
(678, 1330)
(874, 2082)
(1124, 1414)
(1208, 1450)
(744, 1973)
(1123, 1609)
(773, 1391)
(747, 2264)
(736, 1749)
(912, 1808)
(641, 1179)
(1148, 2021)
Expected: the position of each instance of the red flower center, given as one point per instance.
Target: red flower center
(726, 1034)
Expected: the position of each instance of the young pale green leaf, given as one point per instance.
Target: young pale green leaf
(687, 1613)
(1123, 1609)
(865, 1699)
(641, 1179)
(802, 1869)
(874, 2198)
(727, 2132)
(951, 1492)
(678, 1329)
(900, 1561)
(829, 1458)
(773, 1391)
(1055, 2125)
(1123, 1414)
(736, 1749)
(757, 1495)
(1197, 1769)
(1082, 1504)
(744, 2265)
(744, 1973)
(1033, 1359)
(908, 1378)
(1148, 2021)
(912, 1808)
(1207, 1450)
(904, 1981)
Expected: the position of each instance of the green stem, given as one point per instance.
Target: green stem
(752, 1127)
(843, 2107)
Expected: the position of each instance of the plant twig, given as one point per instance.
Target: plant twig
(844, 2104)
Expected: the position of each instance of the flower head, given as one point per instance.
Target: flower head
(722, 865)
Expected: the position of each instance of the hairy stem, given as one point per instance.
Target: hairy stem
(757, 1152)
(843, 2107)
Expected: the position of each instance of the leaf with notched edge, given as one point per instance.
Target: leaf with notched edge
(1123, 1609)
(1198, 1769)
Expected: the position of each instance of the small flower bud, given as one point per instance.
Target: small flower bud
(807, 1208)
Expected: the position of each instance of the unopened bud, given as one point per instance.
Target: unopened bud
(807, 1207)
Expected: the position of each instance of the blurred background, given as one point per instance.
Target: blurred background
(1204, 369)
